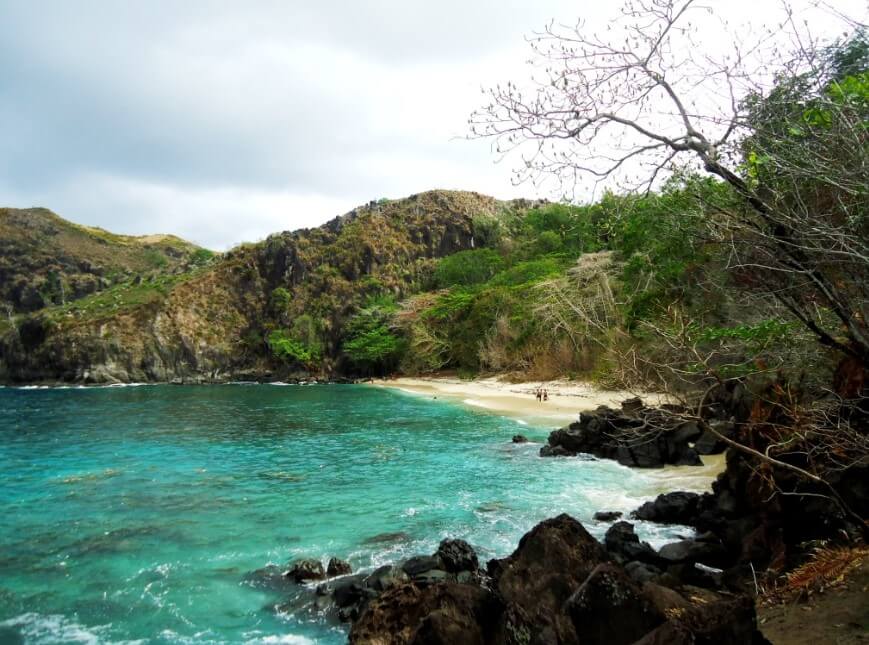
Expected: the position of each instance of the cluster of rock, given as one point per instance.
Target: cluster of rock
(559, 586)
(638, 436)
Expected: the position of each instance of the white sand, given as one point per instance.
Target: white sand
(517, 400)
(566, 400)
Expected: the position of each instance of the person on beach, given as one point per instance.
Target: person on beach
(538, 394)
(545, 395)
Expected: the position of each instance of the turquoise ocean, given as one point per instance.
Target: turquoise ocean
(137, 513)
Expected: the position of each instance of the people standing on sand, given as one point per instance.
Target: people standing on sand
(539, 394)
(545, 395)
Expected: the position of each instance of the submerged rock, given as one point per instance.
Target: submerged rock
(520, 438)
(387, 538)
(607, 516)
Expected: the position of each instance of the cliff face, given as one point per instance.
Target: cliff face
(211, 323)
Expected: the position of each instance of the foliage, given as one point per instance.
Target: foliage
(289, 349)
(467, 268)
(369, 342)
(529, 272)
(281, 299)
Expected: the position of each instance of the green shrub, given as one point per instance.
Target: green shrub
(290, 350)
(530, 271)
(467, 268)
(281, 299)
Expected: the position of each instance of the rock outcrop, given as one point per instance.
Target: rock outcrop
(559, 586)
(635, 436)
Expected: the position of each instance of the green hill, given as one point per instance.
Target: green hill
(46, 260)
(439, 280)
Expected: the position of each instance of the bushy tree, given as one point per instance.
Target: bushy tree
(369, 342)
(790, 141)
(467, 268)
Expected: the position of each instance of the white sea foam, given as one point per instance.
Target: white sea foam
(477, 404)
(80, 386)
(39, 628)
(283, 639)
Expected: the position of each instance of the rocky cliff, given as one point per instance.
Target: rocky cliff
(211, 323)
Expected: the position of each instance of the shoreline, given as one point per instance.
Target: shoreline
(517, 400)
(566, 400)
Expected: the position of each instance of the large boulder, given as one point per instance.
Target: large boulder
(440, 614)
(338, 567)
(636, 436)
(385, 577)
(670, 508)
(624, 545)
(457, 555)
(550, 563)
(609, 609)
(419, 564)
(710, 553)
(306, 570)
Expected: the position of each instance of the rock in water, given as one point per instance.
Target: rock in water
(457, 555)
(306, 570)
(607, 516)
(338, 567)
(520, 438)
(419, 564)
(385, 577)
(670, 508)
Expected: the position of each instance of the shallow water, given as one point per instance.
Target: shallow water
(136, 513)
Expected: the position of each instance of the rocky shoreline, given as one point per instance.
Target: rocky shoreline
(561, 585)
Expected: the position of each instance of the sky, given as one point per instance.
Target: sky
(223, 122)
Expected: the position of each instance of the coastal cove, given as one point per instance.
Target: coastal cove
(141, 512)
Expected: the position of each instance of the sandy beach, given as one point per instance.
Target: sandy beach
(517, 400)
(566, 400)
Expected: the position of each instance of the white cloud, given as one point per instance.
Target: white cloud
(223, 121)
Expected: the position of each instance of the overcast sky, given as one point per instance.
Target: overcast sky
(223, 122)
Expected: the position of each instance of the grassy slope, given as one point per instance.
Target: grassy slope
(45, 259)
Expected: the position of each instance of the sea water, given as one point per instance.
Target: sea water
(137, 514)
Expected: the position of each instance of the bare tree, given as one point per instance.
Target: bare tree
(782, 125)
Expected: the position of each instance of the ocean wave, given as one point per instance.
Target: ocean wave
(38, 628)
(80, 386)
(283, 639)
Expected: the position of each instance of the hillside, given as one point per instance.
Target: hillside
(46, 260)
(276, 307)
(623, 292)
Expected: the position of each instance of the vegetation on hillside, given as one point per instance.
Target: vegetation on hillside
(46, 260)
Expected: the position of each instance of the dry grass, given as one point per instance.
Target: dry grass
(826, 569)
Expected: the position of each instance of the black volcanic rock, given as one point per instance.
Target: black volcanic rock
(642, 437)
